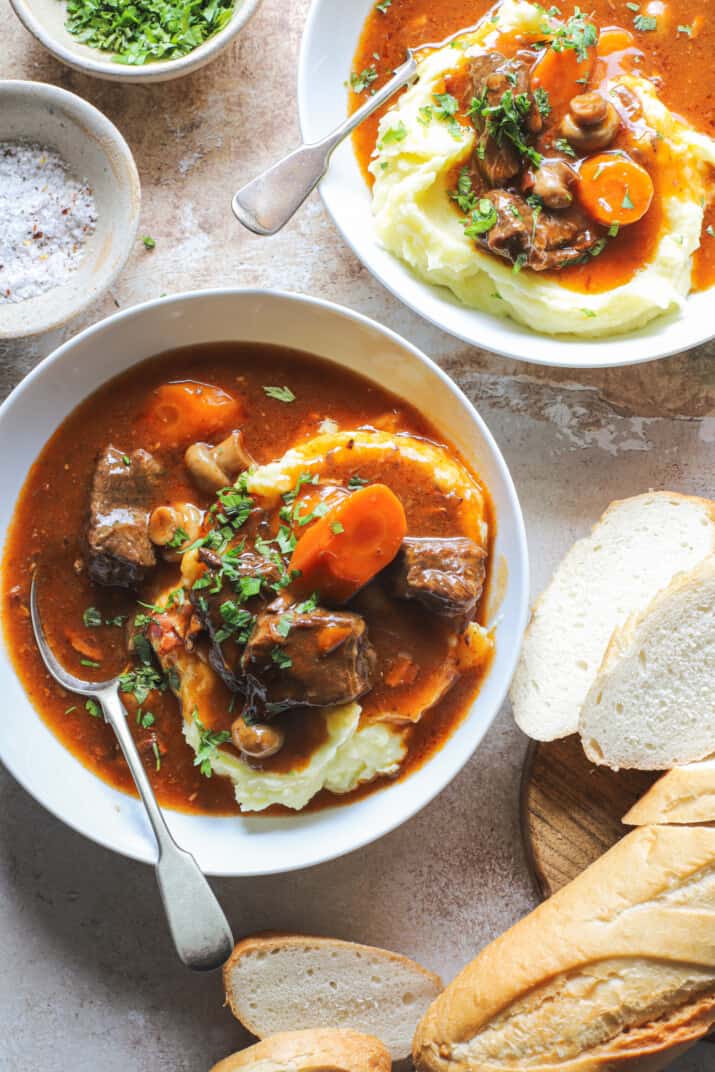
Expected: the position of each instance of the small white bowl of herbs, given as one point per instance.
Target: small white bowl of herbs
(161, 39)
(69, 205)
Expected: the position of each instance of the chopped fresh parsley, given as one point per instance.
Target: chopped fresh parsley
(362, 81)
(464, 194)
(710, 230)
(281, 394)
(356, 482)
(149, 242)
(566, 147)
(157, 755)
(613, 230)
(145, 719)
(209, 741)
(519, 263)
(627, 202)
(93, 663)
(482, 218)
(146, 30)
(308, 605)
(126, 460)
(543, 102)
(336, 528)
(645, 23)
(93, 708)
(284, 624)
(424, 115)
(445, 108)
(281, 659)
(383, 6)
(140, 682)
(685, 29)
(92, 618)
(505, 121)
(394, 135)
(179, 538)
(588, 312)
(578, 34)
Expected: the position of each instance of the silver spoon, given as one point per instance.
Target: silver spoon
(198, 926)
(266, 204)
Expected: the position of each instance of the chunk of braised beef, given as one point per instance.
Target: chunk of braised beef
(496, 161)
(120, 552)
(313, 657)
(445, 575)
(538, 239)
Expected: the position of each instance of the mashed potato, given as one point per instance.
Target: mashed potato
(352, 753)
(416, 221)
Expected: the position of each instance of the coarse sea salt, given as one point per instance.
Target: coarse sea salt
(46, 219)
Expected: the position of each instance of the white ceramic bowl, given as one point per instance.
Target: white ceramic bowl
(329, 42)
(243, 845)
(45, 19)
(95, 151)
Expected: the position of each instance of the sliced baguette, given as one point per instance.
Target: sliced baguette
(285, 982)
(633, 552)
(616, 971)
(652, 703)
(683, 795)
(311, 1051)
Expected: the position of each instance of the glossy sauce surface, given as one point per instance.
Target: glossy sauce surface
(47, 535)
(678, 63)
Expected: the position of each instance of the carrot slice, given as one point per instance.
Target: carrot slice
(613, 189)
(338, 554)
(562, 75)
(186, 411)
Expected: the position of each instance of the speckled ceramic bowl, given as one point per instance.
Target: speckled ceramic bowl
(45, 19)
(95, 152)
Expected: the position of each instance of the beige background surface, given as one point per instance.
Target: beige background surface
(89, 981)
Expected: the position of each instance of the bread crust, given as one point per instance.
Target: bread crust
(318, 1050)
(265, 942)
(589, 921)
(685, 795)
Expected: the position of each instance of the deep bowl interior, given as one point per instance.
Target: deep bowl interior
(244, 845)
(329, 42)
(94, 151)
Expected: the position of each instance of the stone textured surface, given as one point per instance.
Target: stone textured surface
(89, 978)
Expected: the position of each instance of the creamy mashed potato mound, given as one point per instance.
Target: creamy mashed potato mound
(416, 221)
(352, 753)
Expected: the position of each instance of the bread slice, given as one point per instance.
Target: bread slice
(286, 982)
(616, 971)
(652, 704)
(683, 795)
(311, 1051)
(634, 551)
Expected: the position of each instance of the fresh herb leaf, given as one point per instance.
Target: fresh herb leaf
(281, 394)
(383, 6)
(90, 662)
(362, 81)
(482, 218)
(145, 719)
(149, 242)
(543, 102)
(685, 29)
(179, 538)
(157, 755)
(281, 659)
(505, 121)
(140, 682)
(627, 202)
(92, 618)
(126, 460)
(613, 230)
(336, 528)
(566, 147)
(645, 23)
(356, 482)
(588, 312)
(209, 741)
(93, 708)
(424, 115)
(578, 34)
(464, 194)
(710, 230)
(519, 263)
(394, 135)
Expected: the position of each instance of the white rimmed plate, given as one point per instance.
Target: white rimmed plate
(244, 845)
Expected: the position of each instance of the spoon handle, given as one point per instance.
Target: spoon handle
(267, 203)
(196, 920)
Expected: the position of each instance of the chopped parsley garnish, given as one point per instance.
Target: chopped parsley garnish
(394, 135)
(627, 202)
(710, 230)
(281, 394)
(482, 218)
(140, 682)
(688, 30)
(446, 109)
(383, 6)
(645, 23)
(93, 708)
(505, 121)
(209, 740)
(90, 662)
(424, 115)
(284, 624)
(304, 478)
(92, 618)
(519, 263)
(578, 34)
(145, 719)
(308, 605)
(336, 528)
(588, 312)
(362, 81)
(281, 659)
(356, 482)
(543, 102)
(146, 30)
(126, 460)
(237, 622)
(566, 147)
(149, 242)
(157, 756)
(464, 194)
(179, 538)
(613, 230)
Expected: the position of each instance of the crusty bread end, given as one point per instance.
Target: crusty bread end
(321, 1050)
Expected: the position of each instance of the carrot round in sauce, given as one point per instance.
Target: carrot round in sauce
(349, 545)
(614, 39)
(182, 412)
(614, 189)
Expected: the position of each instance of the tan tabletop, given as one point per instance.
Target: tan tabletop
(89, 980)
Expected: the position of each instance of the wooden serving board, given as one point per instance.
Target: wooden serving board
(571, 811)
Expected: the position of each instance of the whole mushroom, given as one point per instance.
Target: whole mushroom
(591, 122)
(259, 740)
(213, 468)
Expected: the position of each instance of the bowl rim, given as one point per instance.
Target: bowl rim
(91, 123)
(518, 568)
(553, 351)
(158, 70)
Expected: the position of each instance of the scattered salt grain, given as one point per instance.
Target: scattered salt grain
(46, 218)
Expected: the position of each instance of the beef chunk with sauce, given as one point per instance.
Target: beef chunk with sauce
(538, 240)
(445, 575)
(120, 551)
(312, 657)
(497, 160)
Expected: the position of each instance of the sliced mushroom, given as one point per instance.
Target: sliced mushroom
(259, 740)
(213, 468)
(551, 183)
(165, 522)
(591, 122)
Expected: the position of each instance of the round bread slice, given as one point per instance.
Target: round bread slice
(321, 1050)
(652, 704)
(277, 983)
(633, 552)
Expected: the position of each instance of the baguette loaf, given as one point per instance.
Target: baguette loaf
(684, 795)
(633, 551)
(310, 1051)
(286, 982)
(615, 972)
(652, 703)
